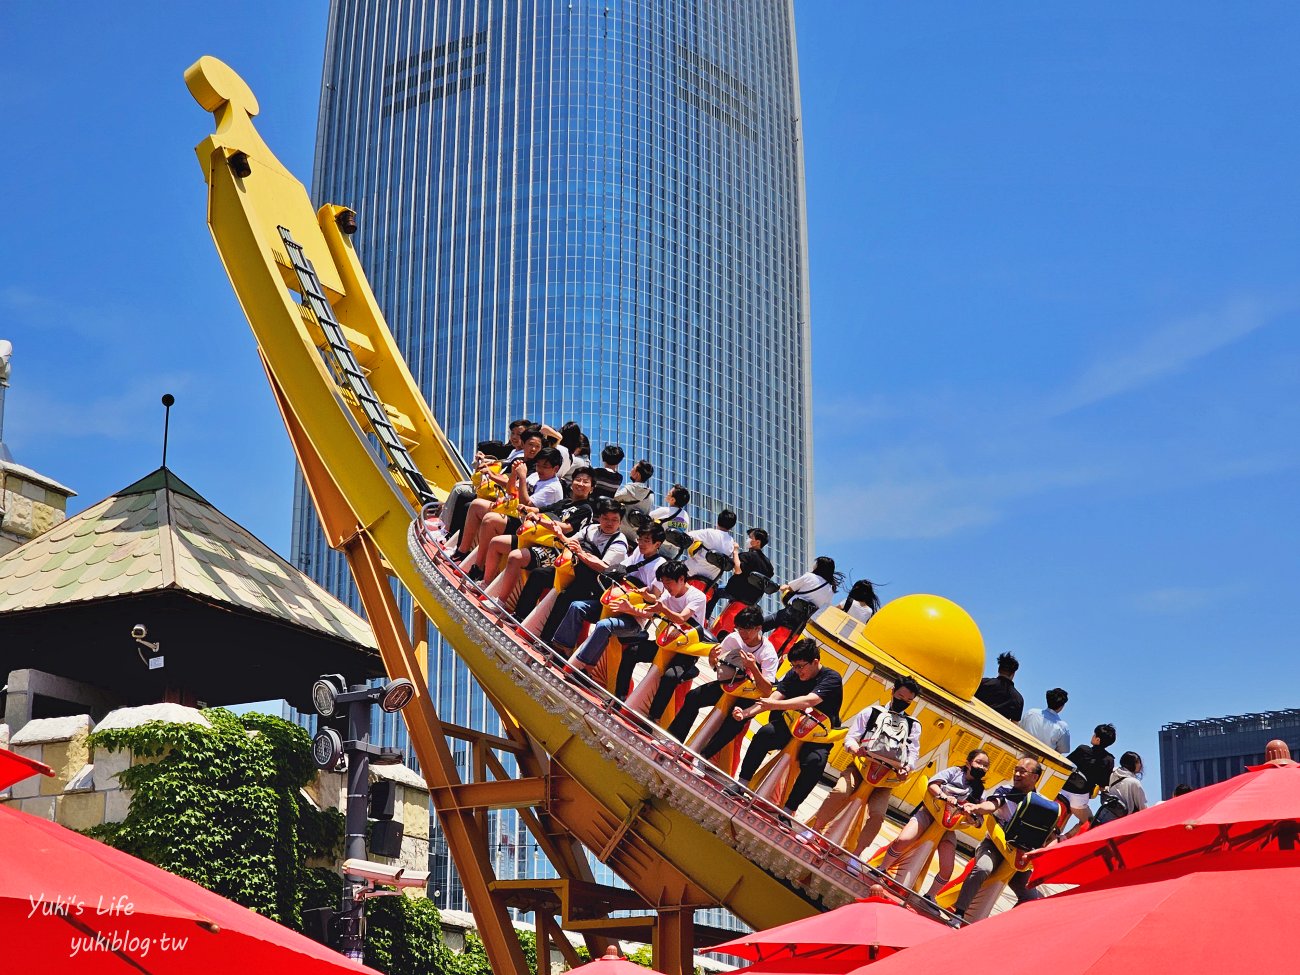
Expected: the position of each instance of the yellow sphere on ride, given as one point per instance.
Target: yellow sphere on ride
(932, 637)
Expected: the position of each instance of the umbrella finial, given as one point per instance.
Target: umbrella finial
(611, 954)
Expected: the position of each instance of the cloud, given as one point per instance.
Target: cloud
(935, 462)
(1166, 351)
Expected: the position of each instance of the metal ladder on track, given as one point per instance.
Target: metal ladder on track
(348, 372)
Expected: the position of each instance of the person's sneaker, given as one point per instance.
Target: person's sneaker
(855, 867)
(456, 555)
(805, 837)
(956, 921)
(733, 789)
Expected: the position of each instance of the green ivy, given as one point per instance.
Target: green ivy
(223, 807)
(404, 937)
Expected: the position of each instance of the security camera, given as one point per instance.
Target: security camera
(385, 874)
(138, 633)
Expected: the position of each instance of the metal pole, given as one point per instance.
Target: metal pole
(167, 400)
(357, 818)
(6, 351)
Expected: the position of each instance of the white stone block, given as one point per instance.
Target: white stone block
(134, 717)
(28, 788)
(42, 806)
(117, 804)
(42, 730)
(107, 765)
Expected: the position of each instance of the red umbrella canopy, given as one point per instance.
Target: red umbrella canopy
(1234, 918)
(70, 903)
(1255, 810)
(808, 966)
(866, 929)
(15, 768)
(612, 963)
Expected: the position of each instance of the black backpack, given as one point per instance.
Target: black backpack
(1033, 822)
(1112, 808)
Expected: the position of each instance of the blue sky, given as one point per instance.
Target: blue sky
(1055, 292)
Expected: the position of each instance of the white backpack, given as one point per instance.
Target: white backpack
(888, 741)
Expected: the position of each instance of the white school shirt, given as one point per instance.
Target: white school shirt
(715, 540)
(764, 654)
(545, 492)
(692, 602)
(813, 588)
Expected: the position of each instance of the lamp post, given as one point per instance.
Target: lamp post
(328, 750)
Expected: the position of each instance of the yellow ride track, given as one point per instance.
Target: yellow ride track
(372, 454)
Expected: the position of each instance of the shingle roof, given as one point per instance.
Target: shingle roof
(159, 534)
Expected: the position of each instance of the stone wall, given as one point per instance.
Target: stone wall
(85, 790)
(32, 504)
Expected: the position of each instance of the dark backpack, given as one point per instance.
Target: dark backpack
(1033, 822)
(1112, 808)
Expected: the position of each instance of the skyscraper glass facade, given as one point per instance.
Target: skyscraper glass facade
(589, 211)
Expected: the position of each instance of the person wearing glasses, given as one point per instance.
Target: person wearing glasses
(806, 685)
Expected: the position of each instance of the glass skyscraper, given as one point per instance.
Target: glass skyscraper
(590, 211)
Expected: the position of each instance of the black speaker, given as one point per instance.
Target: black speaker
(383, 797)
(385, 838)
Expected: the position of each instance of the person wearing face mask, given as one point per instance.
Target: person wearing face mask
(862, 736)
(1002, 802)
(957, 784)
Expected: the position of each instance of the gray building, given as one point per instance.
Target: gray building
(588, 210)
(1210, 750)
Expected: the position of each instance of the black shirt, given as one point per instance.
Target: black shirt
(1093, 768)
(574, 513)
(827, 685)
(1001, 695)
(739, 587)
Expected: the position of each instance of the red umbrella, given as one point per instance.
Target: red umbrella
(862, 931)
(1255, 810)
(805, 966)
(1233, 918)
(15, 768)
(69, 903)
(612, 963)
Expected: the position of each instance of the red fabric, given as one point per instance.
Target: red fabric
(809, 966)
(15, 768)
(63, 894)
(1233, 919)
(1244, 809)
(611, 963)
(841, 935)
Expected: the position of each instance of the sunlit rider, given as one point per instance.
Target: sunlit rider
(535, 491)
(745, 651)
(671, 599)
(1002, 802)
(807, 685)
(886, 732)
(566, 516)
(639, 569)
(956, 785)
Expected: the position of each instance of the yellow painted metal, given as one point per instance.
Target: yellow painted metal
(951, 724)
(244, 214)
